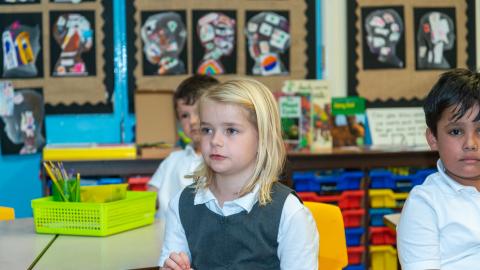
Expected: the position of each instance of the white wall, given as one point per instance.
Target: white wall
(335, 43)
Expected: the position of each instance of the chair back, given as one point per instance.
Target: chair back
(333, 246)
(7, 213)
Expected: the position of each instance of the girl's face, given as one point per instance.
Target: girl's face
(229, 140)
(458, 145)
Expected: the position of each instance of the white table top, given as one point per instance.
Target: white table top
(137, 248)
(19, 244)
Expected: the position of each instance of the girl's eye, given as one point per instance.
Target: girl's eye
(184, 115)
(205, 130)
(231, 131)
(455, 132)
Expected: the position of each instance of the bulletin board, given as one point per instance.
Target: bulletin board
(74, 69)
(291, 22)
(398, 48)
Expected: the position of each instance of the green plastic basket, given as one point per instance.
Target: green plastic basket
(94, 219)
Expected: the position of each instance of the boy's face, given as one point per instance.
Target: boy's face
(188, 116)
(458, 145)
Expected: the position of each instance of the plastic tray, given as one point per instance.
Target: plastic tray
(94, 219)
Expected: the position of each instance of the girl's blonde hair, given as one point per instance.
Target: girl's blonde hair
(258, 100)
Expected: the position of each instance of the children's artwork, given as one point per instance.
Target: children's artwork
(214, 42)
(21, 50)
(228, 38)
(383, 38)
(64, 48)
(268, 43)
(315, 123)
(164, 39)
(15, 2)
(71, 1)
(435, 43)
(349, 121)
(397, 49)
(397, 126)
(74, 38)
(21, 128)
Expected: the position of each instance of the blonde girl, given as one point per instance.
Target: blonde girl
(237, 215)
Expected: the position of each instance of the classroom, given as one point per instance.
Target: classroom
(349, 130)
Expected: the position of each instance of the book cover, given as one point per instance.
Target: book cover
(349, 121)
(290, 107)
(316, 111)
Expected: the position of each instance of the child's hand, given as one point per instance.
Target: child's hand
(177, 261)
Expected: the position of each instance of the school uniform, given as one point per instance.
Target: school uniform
(242, 234)
(170, 178)
(440, 225)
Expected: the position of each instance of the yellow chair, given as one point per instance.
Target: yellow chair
(7, 213)
(333, 246)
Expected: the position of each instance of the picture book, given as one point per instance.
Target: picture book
(348, 121)
(316, 111)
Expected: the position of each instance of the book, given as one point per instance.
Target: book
(349, 121)
(316, 112)
(89, 151)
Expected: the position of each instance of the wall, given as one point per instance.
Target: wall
(19, 180)
(335, 43)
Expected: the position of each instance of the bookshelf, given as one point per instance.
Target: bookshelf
(350, 157)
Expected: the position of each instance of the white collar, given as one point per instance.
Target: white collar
(456, 186)
(246, 202)
(191, 151)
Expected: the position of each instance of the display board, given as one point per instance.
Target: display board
(61, 47)
(398, 48)
(173, 39)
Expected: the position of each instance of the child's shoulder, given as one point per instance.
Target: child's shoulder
(179, 153)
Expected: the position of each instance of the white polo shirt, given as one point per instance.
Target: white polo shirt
(440, 225)
(298, 239)
(169, 178)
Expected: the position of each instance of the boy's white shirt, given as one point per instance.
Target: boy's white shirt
(169, 178)
(298, 239)
(440, 225)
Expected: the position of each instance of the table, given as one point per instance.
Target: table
(137, 248)
(20, 246)
(391, 220)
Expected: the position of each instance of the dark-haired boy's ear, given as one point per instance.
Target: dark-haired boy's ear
(431, 139)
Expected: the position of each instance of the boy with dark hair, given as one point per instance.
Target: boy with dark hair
(440, 223)
(169, 178)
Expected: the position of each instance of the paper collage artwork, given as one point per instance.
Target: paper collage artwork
(216, 32)
(384, 29)
(268, 38)
(73, 33)
(22, 116)
(20, 46)
(435, 38)
(164, 38)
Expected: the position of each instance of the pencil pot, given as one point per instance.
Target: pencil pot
(70, 189)
(94, 219)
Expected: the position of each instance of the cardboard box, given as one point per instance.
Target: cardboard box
(155, 116)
